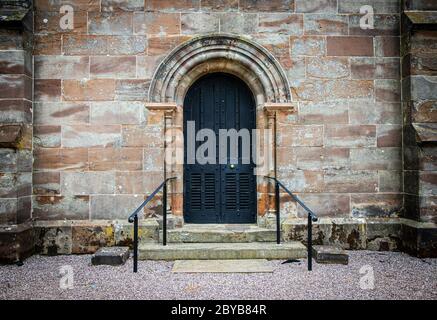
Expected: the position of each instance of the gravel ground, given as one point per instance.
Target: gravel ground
(396, 276)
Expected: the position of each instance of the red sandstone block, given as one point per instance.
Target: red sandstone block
(46, 136)
(86, 183)
(300, 135)
(153, 159)
(12, 62)
(46, 183)
(350, 135)
(47, 45)
(137, 182)
(302, 180)
(61, 67)
(349, 46)
(91, 136)
(163, 45)
(146, 66)
(354, 6)
(244, 23)
(123, 5)
(375, 68)
(121, 159)
(308, 90)
(267, 5)
(389, 135)
(387, 46)
(8, 211)
(219, 5)
(110, 23)
(282, 23)
(323, 112)
(387, 90)
(78, 5)
(109, 112)
(98, 89)
(390, 180)
(350, 181)
(55, 113)
(172, 5)
(113, 67)
(71, 159)
(156, 23)
(48, 23)
(47, 90)
(15, 111)
(326, 24)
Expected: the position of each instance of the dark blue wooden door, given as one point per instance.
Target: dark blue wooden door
(224, 191)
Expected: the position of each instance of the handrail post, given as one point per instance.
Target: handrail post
(135, 243)
(310, 242)
(278, 213)
(164, 214)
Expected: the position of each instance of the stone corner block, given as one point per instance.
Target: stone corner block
(330, 255)
(112, 256)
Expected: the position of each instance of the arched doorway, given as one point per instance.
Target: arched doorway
(219, 184)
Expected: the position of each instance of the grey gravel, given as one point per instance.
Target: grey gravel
(397, 276)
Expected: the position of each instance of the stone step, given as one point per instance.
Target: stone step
(219, 233)
(219, 251)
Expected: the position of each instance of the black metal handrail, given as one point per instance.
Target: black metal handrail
(134, 217)
(312, 217)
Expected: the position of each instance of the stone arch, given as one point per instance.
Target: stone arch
(225, 53)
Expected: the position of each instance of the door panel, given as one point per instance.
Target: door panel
(220, 193)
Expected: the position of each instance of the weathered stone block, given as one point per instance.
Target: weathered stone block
(53, 238)
(308, 46)
(350, 181)
(46, 183)
(44, 45)
(384, 25)
(350, 135)
(110, 23)
(12, 62)
(370, 112)
(390, 181)
(16, 243)
(353, 6)
(15, 111)
(316, 6)
(112, 256)
(46, 136)
(163, 45)
(383, 234)
(245, 23)
(282, 23)
(91, 136)
(376, 205)
(148, 231)
(303, 180)
(89, 236)
(331, 205)
(327, 67)
(349, 46)
(61, 207)
(330, 254)
(387, 46)
(172, 6)
(387, 90)
(8, 211)
(219, 5)
(326, 24)
(120, 159)
(375, 68)
(267, 5)
(300, 135)
(15, 86)
(142, 136)
(124, 5)
(118, 113)
(47, 22)
(114, 206)
(131, 89)
(423, 88)
(389, 136)
(78, 5)
(157, 23)
(137, 183)
(84, 183)
(376, 159)
(103, 45)
(308, 90)
(349, 89)
(195, 23)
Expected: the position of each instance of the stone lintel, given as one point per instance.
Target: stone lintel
(425, 132)
(421, 17)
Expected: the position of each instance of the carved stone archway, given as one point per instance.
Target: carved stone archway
(232, 54)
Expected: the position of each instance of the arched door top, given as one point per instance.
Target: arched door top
(220, 53)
